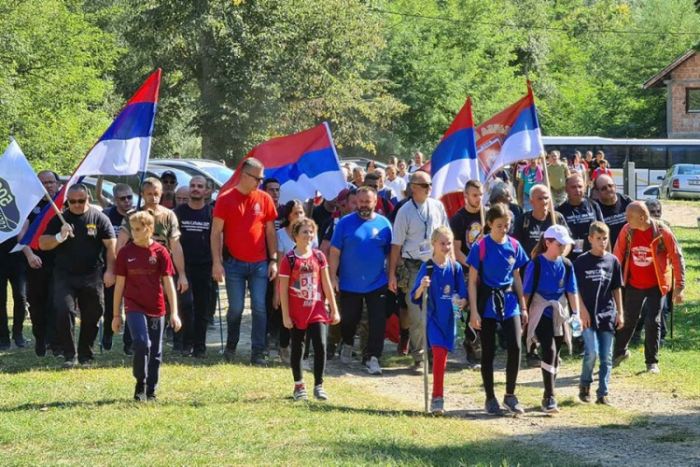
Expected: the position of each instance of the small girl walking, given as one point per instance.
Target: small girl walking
(549, 280)
(305, 286)
(144, 269)
(446, 292)
(496, 296)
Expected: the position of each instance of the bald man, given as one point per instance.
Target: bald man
(646, 248)
(531, 225)
(612, 205)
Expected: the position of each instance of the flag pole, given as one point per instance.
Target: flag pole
(53, 205)
(552, 213)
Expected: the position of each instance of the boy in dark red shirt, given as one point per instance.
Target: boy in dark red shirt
(144, 269)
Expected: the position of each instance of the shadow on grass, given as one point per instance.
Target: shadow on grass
(330, 408)
(40, 406)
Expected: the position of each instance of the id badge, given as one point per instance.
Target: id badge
(424, 248)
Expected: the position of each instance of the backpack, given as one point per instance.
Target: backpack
(292, 258)
(568, 268)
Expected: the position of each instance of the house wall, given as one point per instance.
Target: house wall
(680, 123)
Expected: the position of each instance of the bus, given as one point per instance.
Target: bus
(651, 157)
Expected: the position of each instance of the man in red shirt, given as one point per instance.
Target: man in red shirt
(645, 249)
(244, 218)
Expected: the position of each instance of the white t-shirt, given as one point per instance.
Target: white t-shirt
(397, 186)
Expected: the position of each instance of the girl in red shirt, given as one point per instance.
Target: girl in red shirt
(305, 286)
(144, 269)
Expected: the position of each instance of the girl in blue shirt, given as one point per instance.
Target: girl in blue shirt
(444, 285)
(496, 296)
(549, 281)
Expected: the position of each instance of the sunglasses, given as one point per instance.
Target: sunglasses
(168, 181)
(423, 185)
(77, 201)
(258, 179)
(126, 198)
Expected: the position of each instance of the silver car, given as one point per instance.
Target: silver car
(681, 181)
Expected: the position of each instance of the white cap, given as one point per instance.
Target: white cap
(560, 234)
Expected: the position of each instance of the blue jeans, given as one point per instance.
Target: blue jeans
(147, 335)
(237, 274)
(597, 343)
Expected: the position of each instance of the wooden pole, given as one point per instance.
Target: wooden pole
(552, 213)
(53, 205)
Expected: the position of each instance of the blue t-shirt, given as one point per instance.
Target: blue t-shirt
(364, 246)
(444, 282)
(553, 281)
(499, 263)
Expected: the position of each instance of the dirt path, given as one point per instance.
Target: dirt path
(681, 214)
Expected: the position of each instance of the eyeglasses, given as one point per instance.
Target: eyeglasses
(422, 185)
(258, 179)
(77, 201)
(168, 181)
(126, 198)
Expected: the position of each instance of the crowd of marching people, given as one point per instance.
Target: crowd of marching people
(548, 255)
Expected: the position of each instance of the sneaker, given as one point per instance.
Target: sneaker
(258, 360)
(229, 355)
(199, 354)
(512, 405)
(402, 348)
(653, 368)
(417, 366)
(373, 367)
(603, 400)
(300, 392)
(549, 405)
(86, 361)
(306, 364)
(151, 397)
(5, 346)
(437, 406)
(285, 355)
(70, 363)
(621, 358)
(533, 360)
(140, 392)
(320, 393)
(20, 342)
(40, 349)
(584, 394)
(187, 351)
(346, 355)
(492, 407)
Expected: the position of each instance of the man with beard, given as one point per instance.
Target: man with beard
(195, 218)
(579, 213)
(359, 247)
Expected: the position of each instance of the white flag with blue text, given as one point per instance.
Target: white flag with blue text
(20, 191)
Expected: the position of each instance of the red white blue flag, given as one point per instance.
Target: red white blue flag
(454, 161)
(122, 150)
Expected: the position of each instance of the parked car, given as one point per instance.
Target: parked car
(681, 181)
(650, 192)
(91, 183)
(361, 162)
(217, 172)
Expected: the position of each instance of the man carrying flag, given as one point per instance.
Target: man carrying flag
(20, 191)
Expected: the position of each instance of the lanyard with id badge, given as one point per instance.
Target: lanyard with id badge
(424, 247)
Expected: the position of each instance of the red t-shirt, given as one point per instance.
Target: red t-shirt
(601, 171)
(244, 219)
(306, 297)
(642, 274)
(143, 269)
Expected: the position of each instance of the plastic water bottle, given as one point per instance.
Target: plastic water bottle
(455, 307)
(575, 323)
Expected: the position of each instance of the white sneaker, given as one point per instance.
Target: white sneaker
(373, 367)
(285, 355)
(346, 355)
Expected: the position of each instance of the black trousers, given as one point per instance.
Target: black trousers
(72, 292)
(194, 306)
(13, 270)
(317, 332)
(41, 306)
(513, 333)
(635, 300)
(551, 346)
(351, 309)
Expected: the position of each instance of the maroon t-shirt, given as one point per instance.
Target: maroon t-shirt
(143, 269)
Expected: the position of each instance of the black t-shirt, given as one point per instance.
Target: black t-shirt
(527, 229)
(320, 215)
(615, 216)
(7, 246)
(579, 219)
(466, 227)
(195, 231)
(597, 277)
(328, 229)
(83, 253)
(115, 218)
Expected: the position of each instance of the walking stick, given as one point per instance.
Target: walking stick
(670, 312)
(424, 317)
(221, 326)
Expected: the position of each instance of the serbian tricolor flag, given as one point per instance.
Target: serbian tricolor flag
(510, 136)
(122, 150)
(454, 161)
(304, 163)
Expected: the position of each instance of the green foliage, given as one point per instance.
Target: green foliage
(55, 95)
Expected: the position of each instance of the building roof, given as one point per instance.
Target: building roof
(658, 79)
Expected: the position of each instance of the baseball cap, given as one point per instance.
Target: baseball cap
(560, 234)
(168, 173)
